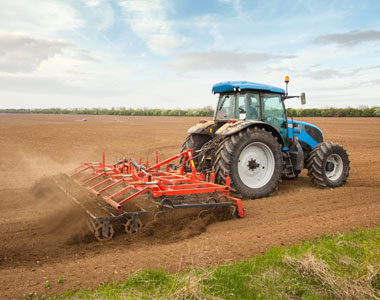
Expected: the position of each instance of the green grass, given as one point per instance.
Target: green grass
(342, 266)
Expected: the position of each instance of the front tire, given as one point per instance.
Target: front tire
(328, 165)
(253, 160)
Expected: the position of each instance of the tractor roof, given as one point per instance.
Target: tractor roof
(229, 86)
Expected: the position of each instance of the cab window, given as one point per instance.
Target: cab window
(249, 106)
(226, 107)
(273, 110)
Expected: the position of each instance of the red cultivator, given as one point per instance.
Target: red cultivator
(167, 187)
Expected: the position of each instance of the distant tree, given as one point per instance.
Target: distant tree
(363, 111)
(377, 111)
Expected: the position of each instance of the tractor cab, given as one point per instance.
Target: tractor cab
(252, 106)
(249, 101)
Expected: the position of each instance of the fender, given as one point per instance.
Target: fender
(232, 128)
(204, 127)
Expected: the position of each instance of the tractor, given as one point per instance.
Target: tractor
(254, 142)
(250, 145)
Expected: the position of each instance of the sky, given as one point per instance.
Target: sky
(169, 53)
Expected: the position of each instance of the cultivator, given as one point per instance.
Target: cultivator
(165, 184)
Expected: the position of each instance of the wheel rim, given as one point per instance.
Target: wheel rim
(256, 165)
(335, 163)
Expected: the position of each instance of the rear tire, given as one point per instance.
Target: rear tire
(253, 160)
(328, 165)
(195, 142)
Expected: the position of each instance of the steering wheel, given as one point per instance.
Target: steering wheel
(222, 113)
(276, 122)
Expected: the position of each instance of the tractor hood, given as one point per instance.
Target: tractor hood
(306, 132)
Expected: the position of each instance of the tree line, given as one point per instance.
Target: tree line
(207, 111)
(336, 112)
(121, 111)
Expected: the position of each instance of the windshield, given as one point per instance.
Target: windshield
(246, 106)
(226, 107)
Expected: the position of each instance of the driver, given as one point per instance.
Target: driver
(251, 112)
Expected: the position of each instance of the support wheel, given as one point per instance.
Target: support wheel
(206, 211)
(253, 160)
(102, 231)
(130, 227)
(328, 165)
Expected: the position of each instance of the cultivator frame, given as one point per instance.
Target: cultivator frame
(167, 187)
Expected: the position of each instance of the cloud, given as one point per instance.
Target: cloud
(53, 86)
(214, 60)
(38, 17)
(351, 38)
(22, 53)
(324, 74)
(93, 3)
(374, 82)
(330, 73)
(148, 20)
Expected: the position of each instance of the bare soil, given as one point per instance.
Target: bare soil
(44, 235)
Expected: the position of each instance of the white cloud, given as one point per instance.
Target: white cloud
(324, 74)
(21, 53)
(216, 60)
(39, 17)
(93, 3)
(148, 20)
(351, 38)
(49, 86)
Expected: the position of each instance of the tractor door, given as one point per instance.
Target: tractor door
(273, 112)
(226, 107)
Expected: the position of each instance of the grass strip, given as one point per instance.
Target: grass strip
(339, 266)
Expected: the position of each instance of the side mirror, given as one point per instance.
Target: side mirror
(303, 98)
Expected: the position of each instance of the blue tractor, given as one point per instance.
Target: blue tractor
(254, 140)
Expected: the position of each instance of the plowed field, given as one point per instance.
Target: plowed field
(43, 236)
